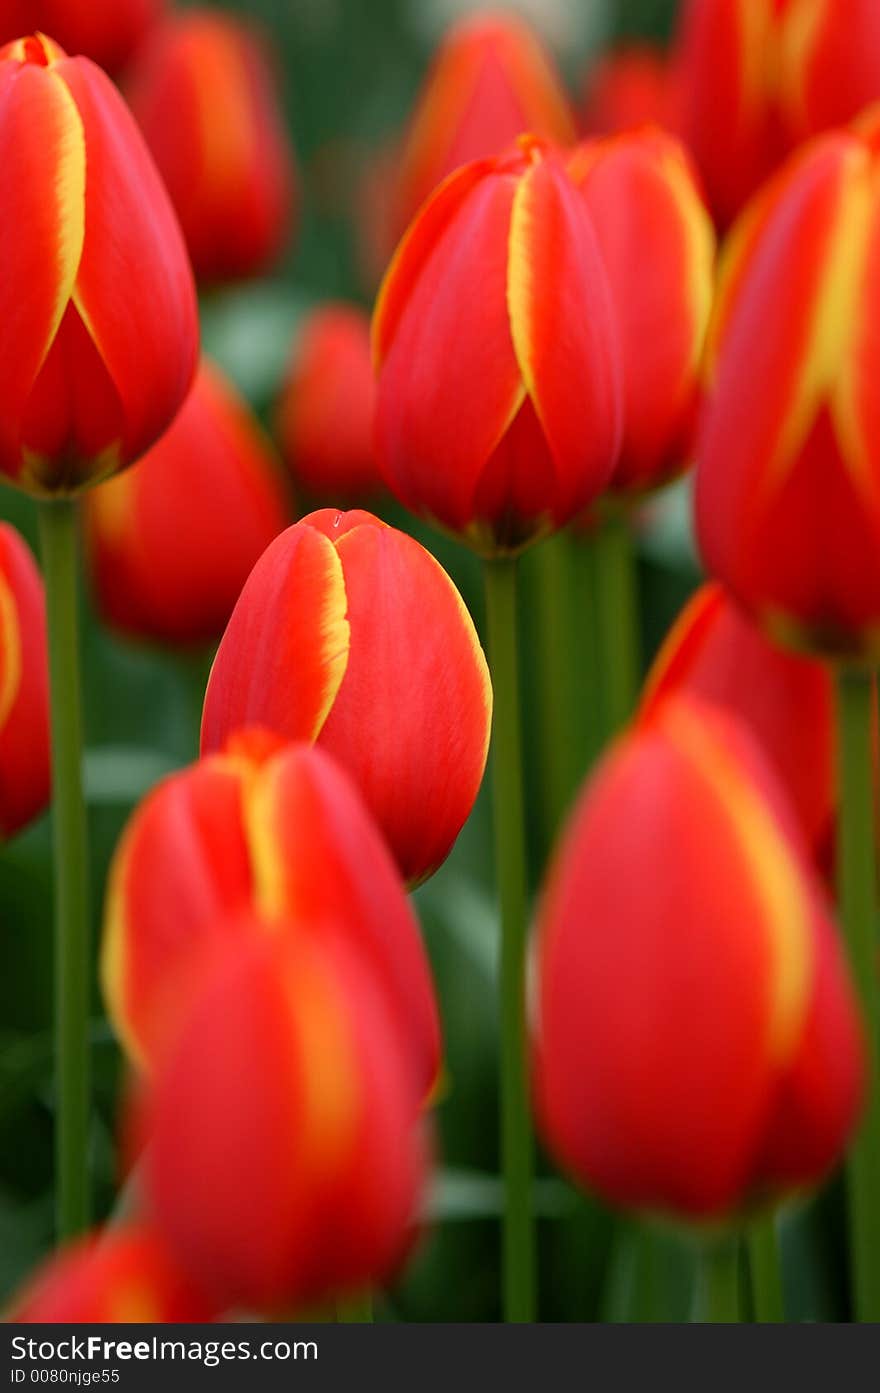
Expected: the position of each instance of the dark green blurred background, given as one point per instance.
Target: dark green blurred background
(350, 69)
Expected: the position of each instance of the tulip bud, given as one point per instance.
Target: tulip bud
(499, 406)
(350, 634)
(205, 99)
(24, 687)
(121, 1276)
(490, 80)
(630, 87)
(284, 1157)
(325, 413)
(714, 652)
(642, 196)
(265, 829)
(788, 481)
(107, 31)
(698, 1045)
(214, 472)
(98, 326)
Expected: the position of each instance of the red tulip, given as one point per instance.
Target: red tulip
(788, 483)
(498, 413)
(646, 208)
(205, 98)
(491, 79)
(215, 474)
(25, 774)
(263, 830)
(698, 1046)
(630, 87)
(98, 327)
(121, 1276)
(759, 76)
(284, 1158)
(325, 413)
(716, 653)
(350, 634)
(107, 31)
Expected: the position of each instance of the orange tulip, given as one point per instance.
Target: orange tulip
(107, 31)
(325, 412)
(646, 208)
(788, 482)
(123, 1276)
(205, 98)
(98, 327)
(491, 79)
(499, 410)
(698, 1044)
(24, 687)
(263, 829)
(284, 1158)
(350, 634)
(215, 474)
(630, 87)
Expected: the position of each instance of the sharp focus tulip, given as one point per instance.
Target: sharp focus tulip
(698, 1046)
(630, 87)
(24, 687)
(215, 474)
(499, 406)
(646, 209)
(491, 79)
(716, 653)
(279, 832)
(205, 98)
(98, 324)
(788, 480)
(350, 634)
(107, 31)
(122, 1276)
(757, 77)
(285, 1156)
(325, 414)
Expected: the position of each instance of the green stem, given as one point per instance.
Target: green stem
(510, 862)
(587, 650)
(58, 535)
(357, 1310)
(857, 887)
(618, 620)
(562, 763)
(765, 1270)
(717, 1292)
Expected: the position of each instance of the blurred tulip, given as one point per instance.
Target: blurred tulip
(204, 95)
(98, 324)
(716, 653)
(350, 634)
(698, 1045)
(214, 472)
(646, 208)
(277, 831)
(491, 79)
(499, 400)
(325, 413)
(107, 31)
(285, 1158)
(757, 77)
(630, 87)
(788, 481)
(120, 1276)
(25, 773)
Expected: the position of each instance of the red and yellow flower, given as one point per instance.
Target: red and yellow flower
(215, 473)
(788, 479)
(499, 405)
(98, 322)
(204, 95)
(107, 31)
(698, 1045)
(25, 774)
(350, 634)
(628, 87)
